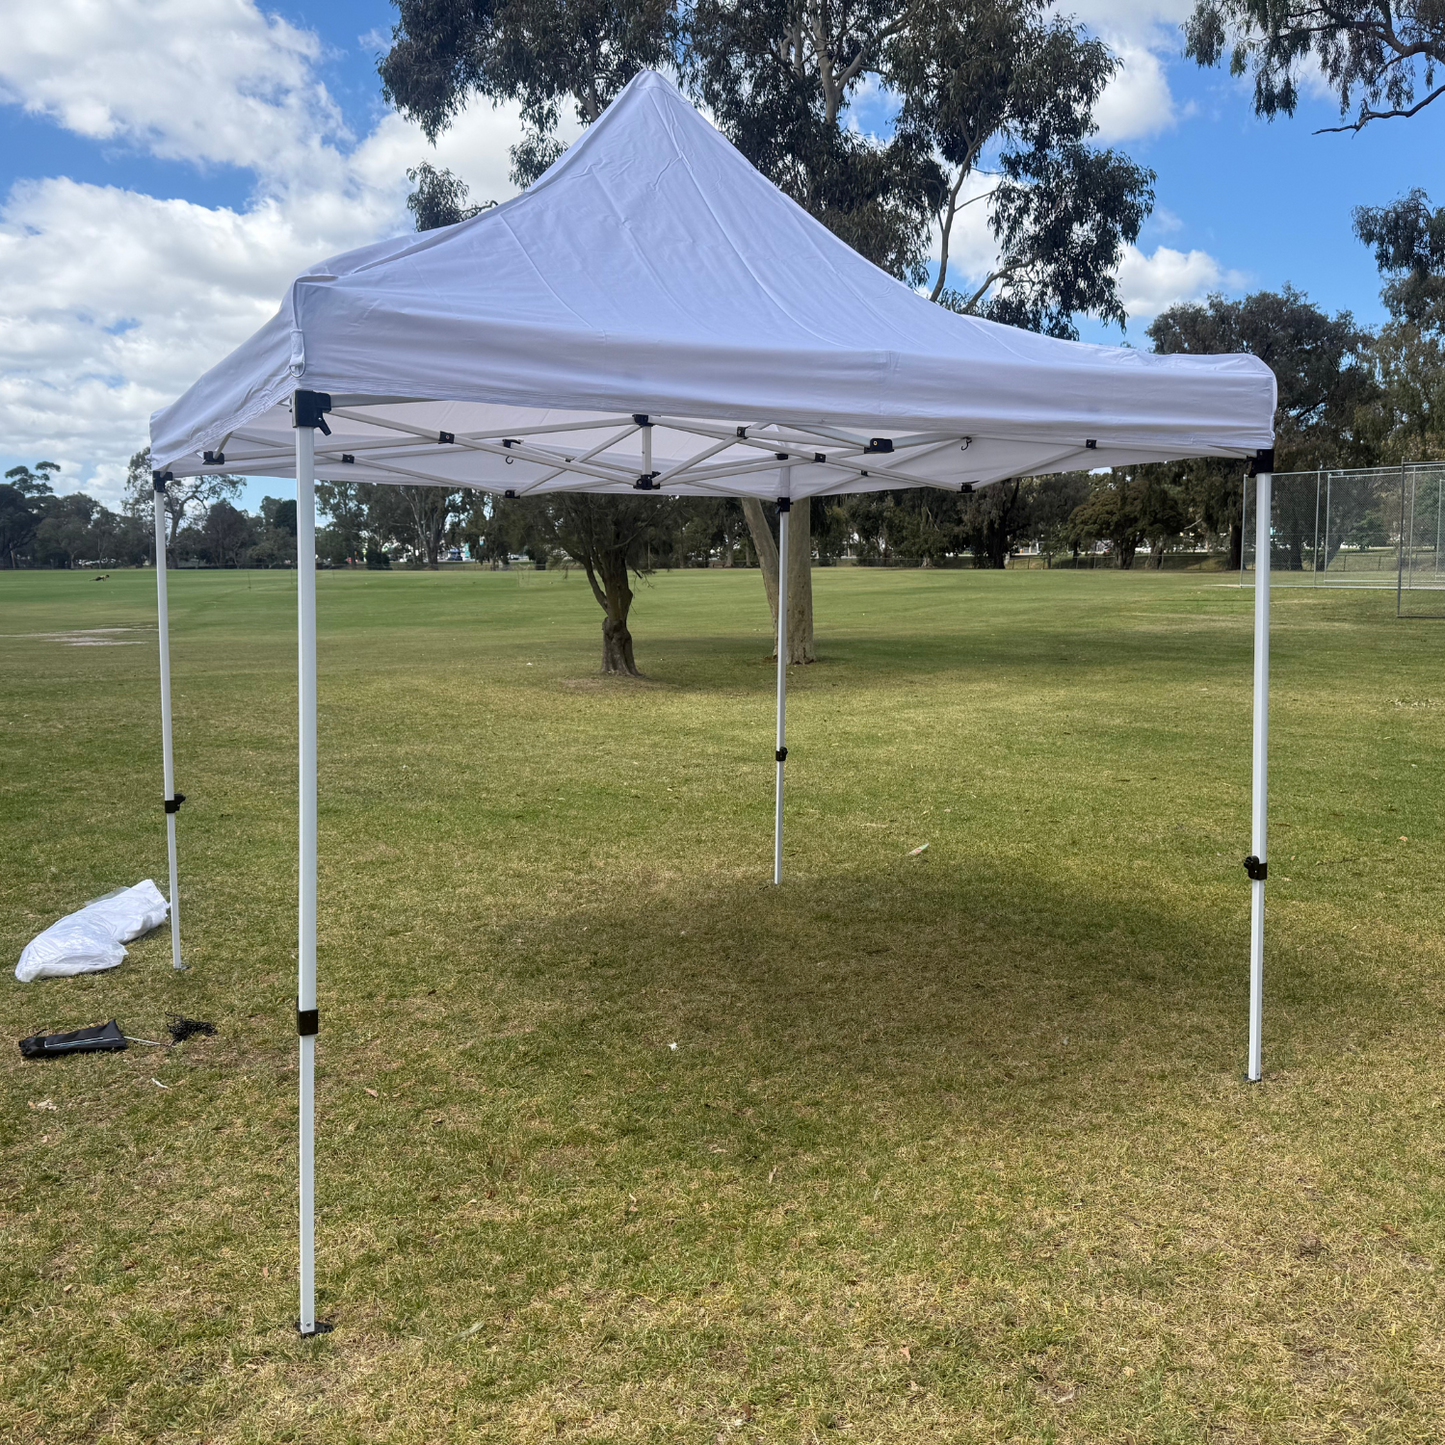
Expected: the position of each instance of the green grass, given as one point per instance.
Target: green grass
(950, 1148)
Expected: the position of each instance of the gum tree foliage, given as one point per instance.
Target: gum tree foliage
(1408, 240)
(440, 199)
(39, 529)
(1381, 58)
(1128, 508)
(186, 497)
(993, 84)
(609, 538)
(544, 55)
(1004, 93)
(1322, 364)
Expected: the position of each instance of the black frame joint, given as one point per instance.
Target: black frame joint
(785, 504)
(781, 756)
(214, 459)
(640, 418)
(1257, 870)
(308, 1024)
(159, 480)
(446, 438)
(1261, 461)
(309, 408)
(964, 490)
(878, 446)
(173, 805)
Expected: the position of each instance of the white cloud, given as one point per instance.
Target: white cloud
(1151, 284)
(1137, 102)
(203, 80)
(112, 302)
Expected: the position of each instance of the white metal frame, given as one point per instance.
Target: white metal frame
(785, 505)
(168, 769)
(1259, 809)
(585, 465)
(755, 446)
(306, 904)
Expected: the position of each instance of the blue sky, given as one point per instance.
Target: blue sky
(167, 165)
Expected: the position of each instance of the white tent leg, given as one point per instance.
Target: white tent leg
(781, 752)
(173, 799)
(1256, 864)
(306, 921)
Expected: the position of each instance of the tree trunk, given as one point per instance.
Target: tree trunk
(800, 574)
(615, 595)
(1236, 546)
(800, 585)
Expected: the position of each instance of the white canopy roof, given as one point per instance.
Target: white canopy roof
(653, 276)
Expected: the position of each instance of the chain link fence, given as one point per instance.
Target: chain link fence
(1374, 527)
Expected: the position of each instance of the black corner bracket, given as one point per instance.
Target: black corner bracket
(159, 480)
(214, 459)
(785, 504)
(307, 1022)
(964, 490)
(173, 805)
(1257, 871)
(1261, 461)
(309, 408)
(781, 755)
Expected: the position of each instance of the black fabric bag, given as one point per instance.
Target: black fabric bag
(97, 1039)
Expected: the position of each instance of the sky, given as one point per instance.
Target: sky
(166, 167)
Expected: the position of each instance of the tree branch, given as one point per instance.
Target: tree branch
(1367, 115)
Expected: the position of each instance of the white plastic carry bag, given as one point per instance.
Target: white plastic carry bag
(92, 938)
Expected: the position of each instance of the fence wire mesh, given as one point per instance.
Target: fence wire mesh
(1373, 527)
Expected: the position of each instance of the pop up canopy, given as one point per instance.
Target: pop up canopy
(654, 315)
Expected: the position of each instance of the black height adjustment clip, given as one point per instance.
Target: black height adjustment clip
(1261, 461)
(309, 408)
(159, 480)
(878, 446)
(1257, 871)
(173, 805)
(781, 755)
(307, 1023)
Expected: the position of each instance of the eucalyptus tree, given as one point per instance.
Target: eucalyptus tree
(1381, 59)
(999, 89)
(1004, 92)
(186, 498)
(540, 53)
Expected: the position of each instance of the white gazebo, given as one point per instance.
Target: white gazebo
(653, 315)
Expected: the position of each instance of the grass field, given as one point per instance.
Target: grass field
(951, 1148)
